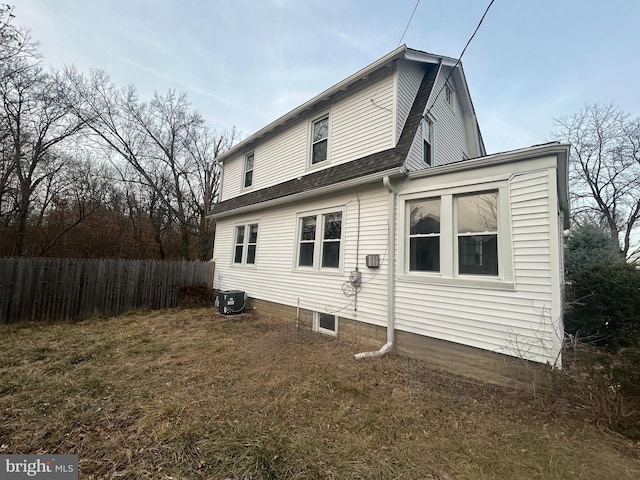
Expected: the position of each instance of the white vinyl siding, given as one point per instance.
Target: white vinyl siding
(360, 126)
(410, 76)
(518, 315)
(357, 127)
(450, 142)
(276, 278)
(518, 321)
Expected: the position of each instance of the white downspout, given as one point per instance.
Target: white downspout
(391, 279)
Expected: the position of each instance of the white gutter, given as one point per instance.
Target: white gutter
(391, 279)
(327, 189)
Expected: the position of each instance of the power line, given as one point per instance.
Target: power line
(459, 58)
(399, 43)
(408, 23)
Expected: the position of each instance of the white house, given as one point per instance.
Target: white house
(372, 212)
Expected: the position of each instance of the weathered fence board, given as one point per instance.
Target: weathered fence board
(72, 289)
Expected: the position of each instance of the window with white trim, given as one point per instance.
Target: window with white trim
(427, 141)
(246, 244)
(449, 95)
(319, 140)
(325, 323)
(459, 236)
(477, 232)
(320, 240)
(424, 235)
(248, 170)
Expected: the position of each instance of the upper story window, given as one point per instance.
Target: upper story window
(246, 243)
(320, 240)
(319, 140)
(449, 95)
(427, 141)
(477, 232)
(248, 170)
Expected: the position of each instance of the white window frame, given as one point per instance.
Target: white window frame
(448, 275)
(246, 170)
(325, 116)
(422, 235)
(319, 240)
(429, 121)
(317, 320)
(459, 234)
(246, 243)
(450, 96)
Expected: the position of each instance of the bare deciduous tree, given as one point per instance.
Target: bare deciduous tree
(166, 146)
(204, 147)
(34, 121)
(605, 169)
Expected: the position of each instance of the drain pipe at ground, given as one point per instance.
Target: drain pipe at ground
(391, 282)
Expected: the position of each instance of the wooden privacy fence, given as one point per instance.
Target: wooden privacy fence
(72, 289)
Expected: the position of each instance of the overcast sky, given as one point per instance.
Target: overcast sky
(244, 63)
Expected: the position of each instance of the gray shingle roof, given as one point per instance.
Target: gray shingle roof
(370, 164)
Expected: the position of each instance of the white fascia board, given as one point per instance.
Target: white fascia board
(424, 57)
(496, 159)
(559, 150)
(374, 177)
(476, 135)
(459, 79)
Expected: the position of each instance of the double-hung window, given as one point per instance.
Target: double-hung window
(427, 141)
(331, 239)
(477, 232)
(246, 244)
(449, 95)
(320, 240)
(248, 170)
(459, 236)
(424, 235)
(319, 140)
(307, 241)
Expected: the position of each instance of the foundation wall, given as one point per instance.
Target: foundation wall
(473, 363)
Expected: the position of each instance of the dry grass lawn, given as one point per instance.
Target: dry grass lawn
(189, 394)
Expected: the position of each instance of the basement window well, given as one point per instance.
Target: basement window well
(325, 323)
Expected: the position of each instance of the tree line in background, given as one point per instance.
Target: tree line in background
(89, 169)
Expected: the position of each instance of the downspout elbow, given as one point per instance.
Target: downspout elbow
(376, 353)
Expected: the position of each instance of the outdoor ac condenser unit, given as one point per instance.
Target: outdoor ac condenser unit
(231, 301)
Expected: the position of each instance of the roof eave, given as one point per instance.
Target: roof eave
(557, 149)
(366, 179)
(325, 95)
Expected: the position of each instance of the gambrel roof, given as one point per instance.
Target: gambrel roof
(365, 169)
